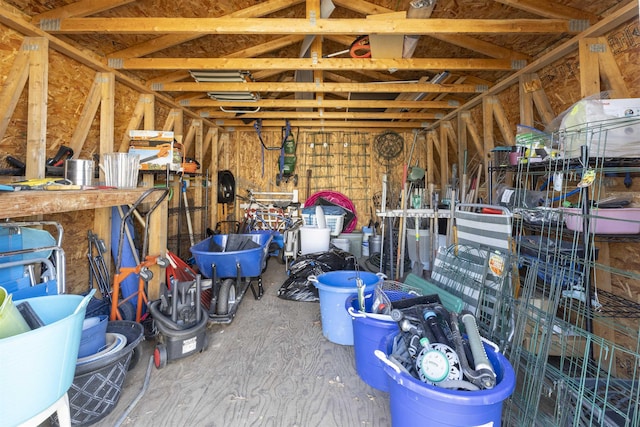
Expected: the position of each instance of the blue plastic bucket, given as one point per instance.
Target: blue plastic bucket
(369, 329)
(38, 366)
(334, 288)
(415, 403)
(94, 335)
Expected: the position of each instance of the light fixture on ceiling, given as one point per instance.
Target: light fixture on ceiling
(217, 76)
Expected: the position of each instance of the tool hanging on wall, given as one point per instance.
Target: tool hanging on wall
(287, 159)
(63, 153)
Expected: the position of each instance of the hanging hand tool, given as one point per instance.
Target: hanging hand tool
(63, 153)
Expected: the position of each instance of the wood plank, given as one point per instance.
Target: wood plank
(617, 18)
(189, 138)
(506, 129)
(88, 113)
(80, 8)
(481, 46)
(322, 87)
(285, 64)
(451, 137)
(462, 139)
(320, 115)
(134, 123)
(490, 49)
(161, 25)
(610, 72)
(149, 117)
(434, 147)
(33, 202)
(473, 133)
(37, 106)
(214, 167)
(525, 89)
(589, 68)
(488, 138)
(198, 195)
(277, 124)
(13, 19)
(12, 88)
(541, 101)
(550, 9)
(163, 42)
(326, 103)
(444, 159)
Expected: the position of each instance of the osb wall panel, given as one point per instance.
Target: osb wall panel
(342, 161)
(66, 98)
(561, 83)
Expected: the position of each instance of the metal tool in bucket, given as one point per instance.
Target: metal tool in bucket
(360, 286)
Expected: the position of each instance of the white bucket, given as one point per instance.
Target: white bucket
(313, 239)
(343, 244)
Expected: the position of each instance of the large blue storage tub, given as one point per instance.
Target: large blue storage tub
(334, 288)
(214, 250)
(415, 403)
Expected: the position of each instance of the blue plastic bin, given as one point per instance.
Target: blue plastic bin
(369, 329)
(415, 403)
(212, 251)
(334, 288)
(37, 367)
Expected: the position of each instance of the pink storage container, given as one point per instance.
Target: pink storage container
(605, 221)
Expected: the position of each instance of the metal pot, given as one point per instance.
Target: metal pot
(79, 172)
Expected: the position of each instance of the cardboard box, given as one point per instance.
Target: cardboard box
(158, 150)
(564, 342)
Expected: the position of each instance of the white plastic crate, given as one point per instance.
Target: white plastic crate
(334, 222)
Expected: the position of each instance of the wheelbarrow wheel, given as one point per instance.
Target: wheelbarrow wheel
(226, 297)
(160, 356)
(135, 357)
(295, 179)
(127, 311)
(278, 180)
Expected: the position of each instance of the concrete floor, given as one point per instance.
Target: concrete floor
(271, 366)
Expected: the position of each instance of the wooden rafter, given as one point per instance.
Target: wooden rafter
(313, 87)
(169, 40)
(550, 9)
(12, 88)
(80, 8)
(312, 103)
(308, 27)
(325, 115)
(468, 42)
(313, 64)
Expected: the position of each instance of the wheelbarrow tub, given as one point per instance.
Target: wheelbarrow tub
(215, 250)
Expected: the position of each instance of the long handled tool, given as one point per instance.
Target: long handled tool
(187, 212)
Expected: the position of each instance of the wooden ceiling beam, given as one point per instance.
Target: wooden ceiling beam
(550, 9)
(313, 103)
(260, 49)
(363, 7)
(328, 115)
(480, 46)
(169, 40)
(314, 87)
(80, 9)
(230, 125)
(300, 26)
(315, 64)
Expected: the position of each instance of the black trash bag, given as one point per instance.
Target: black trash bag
(298, 288)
